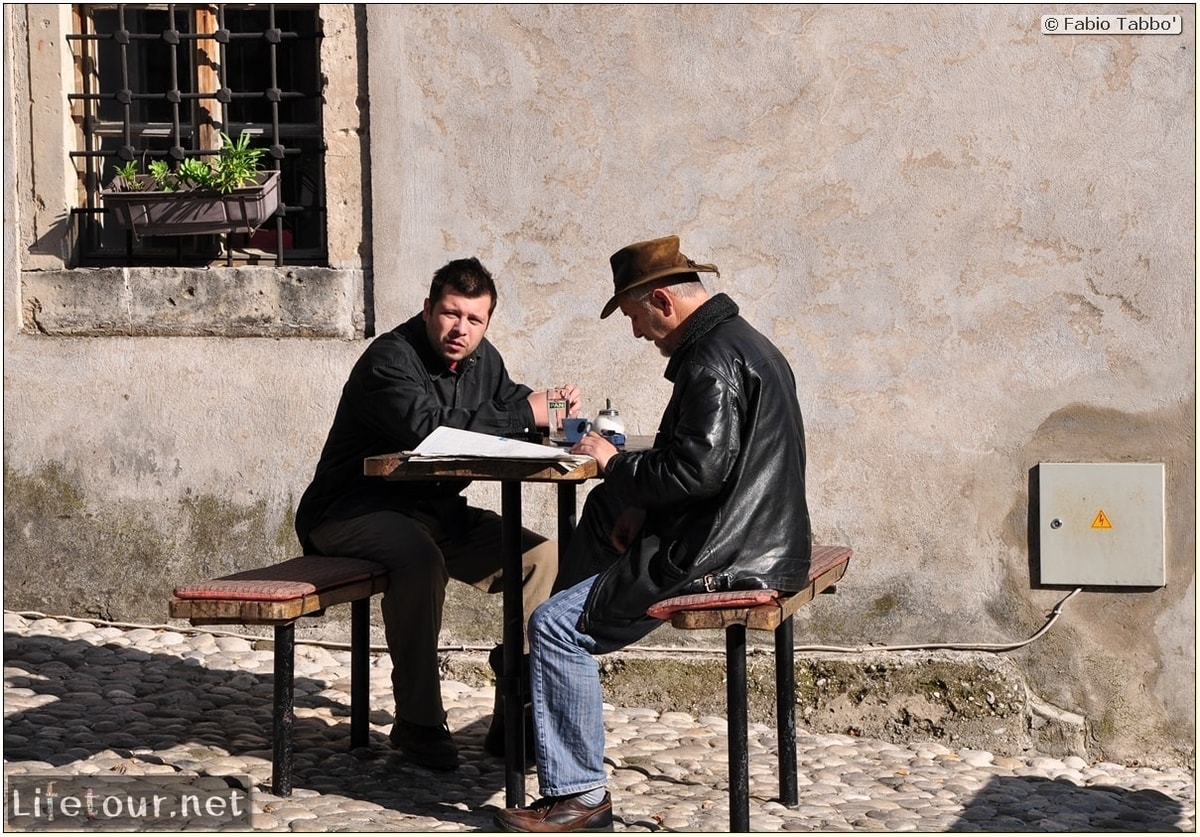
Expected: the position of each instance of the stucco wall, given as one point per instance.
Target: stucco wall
(974, 242)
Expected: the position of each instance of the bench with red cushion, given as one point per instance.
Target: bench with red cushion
(735, 611)
(278, 595)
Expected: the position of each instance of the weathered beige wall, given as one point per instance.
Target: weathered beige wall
(975, 243)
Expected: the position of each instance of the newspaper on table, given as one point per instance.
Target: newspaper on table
(452, 443)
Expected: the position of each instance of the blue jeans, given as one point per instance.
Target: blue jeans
(568, 707)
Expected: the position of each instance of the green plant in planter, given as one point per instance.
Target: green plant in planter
(129, 174)
(196, 197)
(194, 173)
(164, 181)
(236, 165)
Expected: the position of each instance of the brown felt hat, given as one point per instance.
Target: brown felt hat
(647, 261)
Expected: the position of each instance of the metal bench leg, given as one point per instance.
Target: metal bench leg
(360, 672)
(514, 642)
(785, 712)
(739, 759)
(285, 719)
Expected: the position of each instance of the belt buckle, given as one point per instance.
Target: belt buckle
(712, 584)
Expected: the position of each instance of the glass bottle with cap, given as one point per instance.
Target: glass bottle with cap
(608, 421)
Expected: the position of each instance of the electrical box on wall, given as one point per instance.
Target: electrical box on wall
(1102, 524)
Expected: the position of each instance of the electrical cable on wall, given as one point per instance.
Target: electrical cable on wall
(833, 649)
(953, 646)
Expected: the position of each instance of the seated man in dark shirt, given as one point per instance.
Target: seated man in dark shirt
(435, 369)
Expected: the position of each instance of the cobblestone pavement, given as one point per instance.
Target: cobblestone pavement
(88, 703)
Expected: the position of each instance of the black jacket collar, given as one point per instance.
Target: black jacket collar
(703, 320)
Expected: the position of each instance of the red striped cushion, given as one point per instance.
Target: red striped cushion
(712, 601)
(303, 576)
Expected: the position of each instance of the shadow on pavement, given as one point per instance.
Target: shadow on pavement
(171, 712)
(1035, 803)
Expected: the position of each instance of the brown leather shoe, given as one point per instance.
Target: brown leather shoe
(557, 815)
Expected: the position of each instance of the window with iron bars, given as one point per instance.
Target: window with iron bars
(163, 82)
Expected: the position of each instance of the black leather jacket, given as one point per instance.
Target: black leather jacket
(398, 393)
(723, 486)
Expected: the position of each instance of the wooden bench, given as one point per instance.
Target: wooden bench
(279, 595)
(760, 610)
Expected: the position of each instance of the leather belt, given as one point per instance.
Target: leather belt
(711, 583)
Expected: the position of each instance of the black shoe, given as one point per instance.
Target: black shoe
(557, 815)
(427, 746)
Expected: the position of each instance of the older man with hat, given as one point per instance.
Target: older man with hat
(717, 503)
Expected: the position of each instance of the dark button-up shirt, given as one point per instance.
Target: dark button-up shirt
(398, 392)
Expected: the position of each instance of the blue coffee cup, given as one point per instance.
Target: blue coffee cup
(576, 427)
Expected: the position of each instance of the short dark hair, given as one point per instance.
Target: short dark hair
(463, 276)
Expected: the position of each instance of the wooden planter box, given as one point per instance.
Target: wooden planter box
(193, 212)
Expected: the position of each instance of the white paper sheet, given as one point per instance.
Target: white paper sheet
(450, 442)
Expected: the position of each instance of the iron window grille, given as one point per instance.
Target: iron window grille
(162, 82)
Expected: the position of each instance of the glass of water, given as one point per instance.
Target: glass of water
(556, 412)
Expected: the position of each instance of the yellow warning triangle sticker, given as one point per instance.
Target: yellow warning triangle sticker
(1101, 521)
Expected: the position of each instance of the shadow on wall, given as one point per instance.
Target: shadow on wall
(1035, 803)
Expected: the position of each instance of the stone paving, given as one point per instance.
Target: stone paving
(86, 702)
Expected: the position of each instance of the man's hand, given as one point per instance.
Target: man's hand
(597, 447)
(574, 399)
(538, 398)
(627, 527)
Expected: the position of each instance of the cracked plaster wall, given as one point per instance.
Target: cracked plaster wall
(974, 242)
